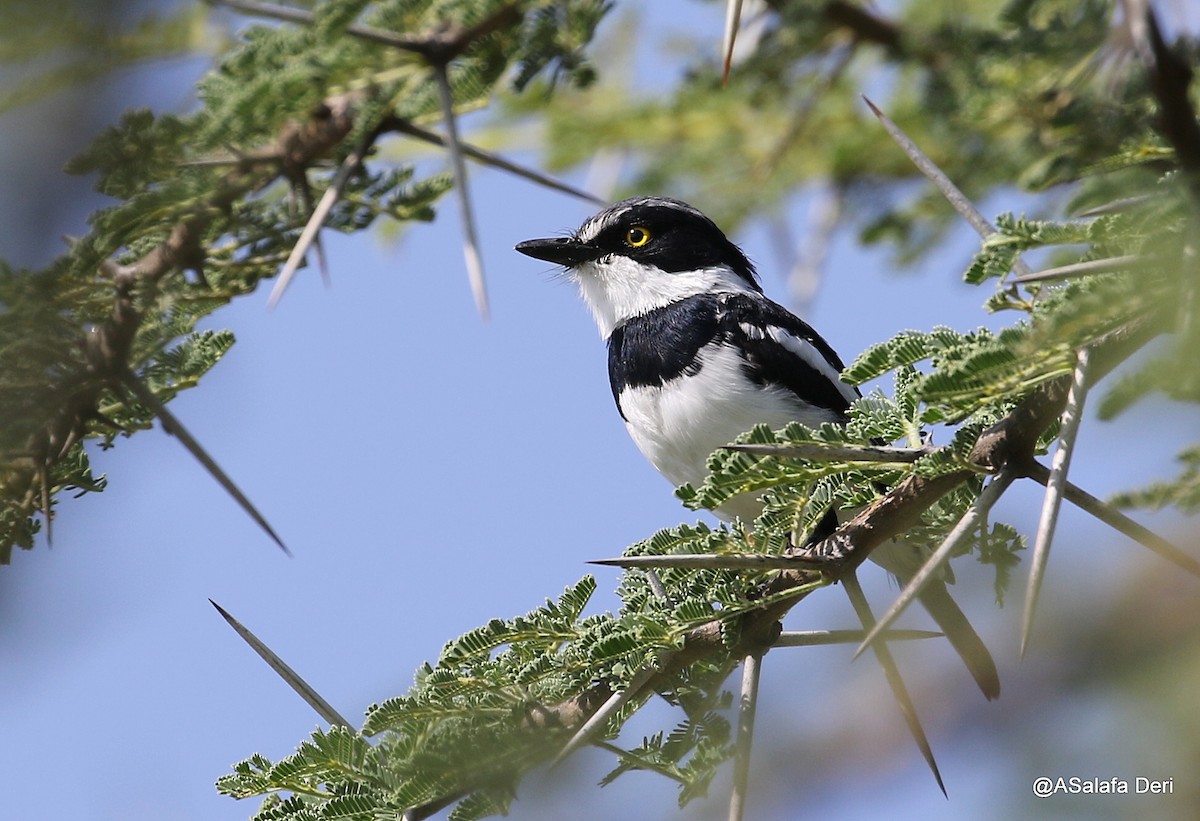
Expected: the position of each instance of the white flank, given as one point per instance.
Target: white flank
(677, 425)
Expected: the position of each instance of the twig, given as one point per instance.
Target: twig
(949, 190)
(1081, 269)
(491, 159)
(713, 561)
(332, 194)
(815, 638)
(302, 688)
(607, 710)
(470, 242)
(417, 45)
(836, 453)
(966, 525)
(863, 608)
(1117, 520)
(1059, 466)
(174, 427)
(747, 708)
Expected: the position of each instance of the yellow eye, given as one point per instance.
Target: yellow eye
(637, 236)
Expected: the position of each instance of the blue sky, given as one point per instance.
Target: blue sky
(432, 471)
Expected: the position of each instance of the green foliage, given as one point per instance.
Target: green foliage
(1025, 93)
(476, 704)
(999, 549)
(60, 44)
(984, 371)
(690, 754)
(994, 96)
(1183, 492)
(235, 180)
(480, 717)
(142, 149)
(558, 33)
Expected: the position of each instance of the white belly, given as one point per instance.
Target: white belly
(679, 424)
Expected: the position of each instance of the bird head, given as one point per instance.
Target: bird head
(644, 253)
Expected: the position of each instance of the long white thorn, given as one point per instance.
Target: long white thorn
(1055, 485)
(313, 227)
(747, 709)
(470, 242)
(175, 428)
(733, 18)
(933, 565)
(1118, 521)
(862, 608)
(712, 561)
(813, 638)
(820, 452)
(1082, 269)
(302, 688)
(944, 184)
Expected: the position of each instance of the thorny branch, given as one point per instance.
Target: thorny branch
(300, 145)
(107, 345)
(1008, 443)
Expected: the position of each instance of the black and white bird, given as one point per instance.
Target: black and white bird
(697, 355)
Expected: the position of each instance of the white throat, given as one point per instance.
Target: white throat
(616, 288)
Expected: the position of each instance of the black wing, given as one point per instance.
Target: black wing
(782, 349)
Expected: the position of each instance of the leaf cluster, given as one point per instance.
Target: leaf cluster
(208, 205)
(1030, 93)
(1022, 93)
(1015, 98)
(488, 710)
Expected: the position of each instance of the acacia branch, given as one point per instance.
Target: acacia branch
(107, 346)
(441, 45)
(1008, 443)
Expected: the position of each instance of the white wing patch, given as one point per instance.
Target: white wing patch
(813, 357)
(751, 331)
(803, 349)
